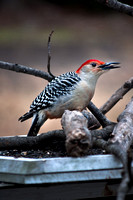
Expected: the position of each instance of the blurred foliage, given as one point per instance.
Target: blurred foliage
(22, 35)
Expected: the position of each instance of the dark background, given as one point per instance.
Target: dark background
(82, 30)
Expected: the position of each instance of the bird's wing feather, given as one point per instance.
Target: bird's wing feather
(60, 86)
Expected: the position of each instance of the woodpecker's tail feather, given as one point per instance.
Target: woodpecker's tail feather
(35, 127)
(38, 119)
(26, 116)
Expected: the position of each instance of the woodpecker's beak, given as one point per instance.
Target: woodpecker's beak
(110, 65)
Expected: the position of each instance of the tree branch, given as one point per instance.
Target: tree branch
(119, 145)
(47, 141)
(118, 95)
(43, 141)
(99, 115)
(104, 133)
(118, 6)
(24, 69)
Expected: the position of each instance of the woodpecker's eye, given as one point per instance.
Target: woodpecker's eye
(93, 64)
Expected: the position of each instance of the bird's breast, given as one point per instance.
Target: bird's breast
(78, 99)
(83, 94)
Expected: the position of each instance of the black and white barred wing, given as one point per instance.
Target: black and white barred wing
(61, 85)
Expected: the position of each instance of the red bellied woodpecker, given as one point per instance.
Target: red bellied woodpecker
(69, 91)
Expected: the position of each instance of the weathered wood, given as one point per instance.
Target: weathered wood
(123, 137)
(78, 137)
(43, 141)
(119, 145)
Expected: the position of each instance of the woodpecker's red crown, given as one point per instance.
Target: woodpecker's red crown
(89, 62)
(97, 65)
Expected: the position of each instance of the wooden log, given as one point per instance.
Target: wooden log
(78, 137)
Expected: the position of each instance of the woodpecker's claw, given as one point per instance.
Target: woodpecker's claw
(110, 65)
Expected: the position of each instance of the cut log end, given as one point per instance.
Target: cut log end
(78, 137)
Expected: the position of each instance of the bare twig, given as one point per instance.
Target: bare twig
(116, 5)
(49, 55)
(24, 69)
(28, 70)
(99, 115)
(118, 95)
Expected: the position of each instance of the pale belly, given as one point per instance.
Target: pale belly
(78, 101)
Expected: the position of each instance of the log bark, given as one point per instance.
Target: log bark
(78, 137)
(43, 141)
(119, 145)
(123, 137)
